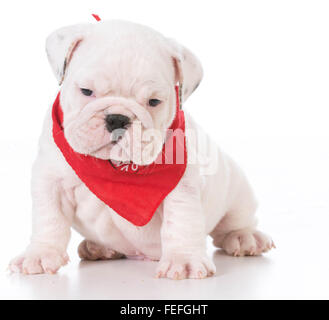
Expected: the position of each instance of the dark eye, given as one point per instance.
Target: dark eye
(86, 92)
(154, 102)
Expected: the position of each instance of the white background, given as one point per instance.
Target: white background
(264, 99)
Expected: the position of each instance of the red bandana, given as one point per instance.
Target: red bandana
(133, 191)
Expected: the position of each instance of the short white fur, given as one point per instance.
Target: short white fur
(126, 61)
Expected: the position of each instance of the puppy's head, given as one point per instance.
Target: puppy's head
(118, 87)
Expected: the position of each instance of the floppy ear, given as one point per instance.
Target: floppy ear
(60, 46)
(188, 68)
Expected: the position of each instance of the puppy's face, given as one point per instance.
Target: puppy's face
(118, 93)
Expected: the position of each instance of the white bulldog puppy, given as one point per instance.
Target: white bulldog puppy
(117, 75)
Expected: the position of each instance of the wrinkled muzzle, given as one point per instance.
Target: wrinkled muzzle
(88, 131)
(116, 105)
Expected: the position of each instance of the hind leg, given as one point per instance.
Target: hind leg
(244, 242)
(89, 250)
(236, 232)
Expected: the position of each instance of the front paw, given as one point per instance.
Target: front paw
(184, 267)
(39, 259)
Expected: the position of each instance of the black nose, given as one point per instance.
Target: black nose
(116, 121)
